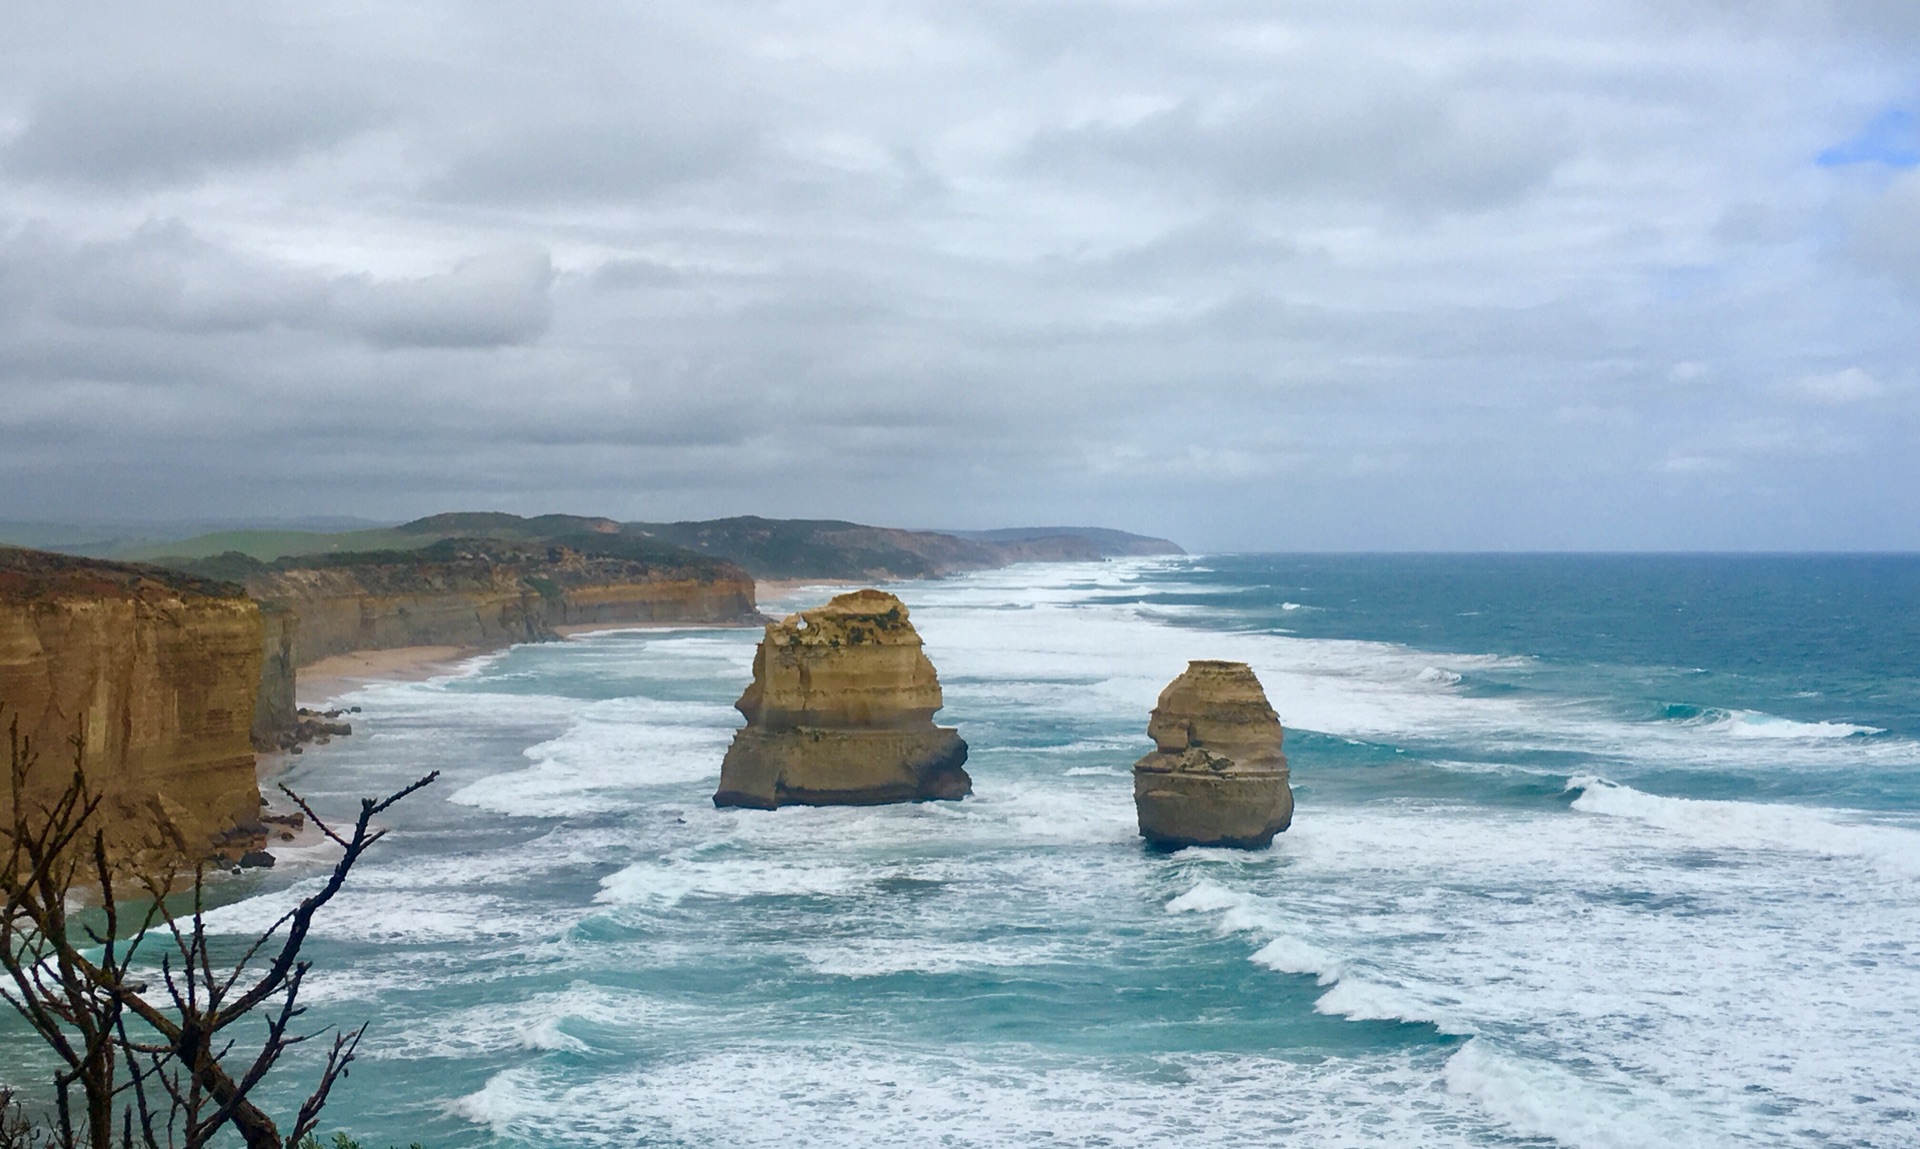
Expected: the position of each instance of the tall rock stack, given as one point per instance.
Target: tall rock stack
(840, 713)
(1217, 776)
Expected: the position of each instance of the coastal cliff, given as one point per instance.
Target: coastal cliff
(473, 593)
(840, 712)
(1217, 776)
(155, 673)
(479, 593)
(274, 709)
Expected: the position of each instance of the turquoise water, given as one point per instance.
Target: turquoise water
(1589, 851)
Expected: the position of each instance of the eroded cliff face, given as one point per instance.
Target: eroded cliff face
(1217, 776)
(484, 594)
(274, 708)
(155, 674)
(840, 712)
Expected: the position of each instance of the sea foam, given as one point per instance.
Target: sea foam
(1628, 967)
(1537, 1099)
(1756, 826)
(832, 1095)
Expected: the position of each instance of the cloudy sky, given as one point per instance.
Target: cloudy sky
(1322, 274)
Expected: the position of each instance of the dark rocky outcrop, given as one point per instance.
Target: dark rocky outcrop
(840, 712)
(273, 705)
(1217, 776)
(316, 726)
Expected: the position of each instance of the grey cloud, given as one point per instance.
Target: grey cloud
(165, 127)
(166, 278)
(1366, 274)
(1881, 20)
(1836, 388)
(1333, 134)
(574, 162)
(1221, 243)
(162, 277)
(1878, 23)
(631, 272)
(1886, 232)
(493, 300)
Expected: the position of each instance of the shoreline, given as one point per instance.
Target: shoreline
(340, 674)
(320, 682)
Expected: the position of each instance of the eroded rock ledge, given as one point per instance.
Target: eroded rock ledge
(840, 712)
(1217, 776)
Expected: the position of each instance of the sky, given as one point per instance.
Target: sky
(1341, 274)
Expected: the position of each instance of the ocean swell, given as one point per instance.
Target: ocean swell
(1755, 826)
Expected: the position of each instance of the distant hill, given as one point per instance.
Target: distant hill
(1112, 543)
(28, 575)
(766, 548)
(830, 548)
(268, 545)
(264, 538)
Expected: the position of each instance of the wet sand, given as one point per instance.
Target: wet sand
(331, 677)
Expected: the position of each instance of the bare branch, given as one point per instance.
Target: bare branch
(166, 1081)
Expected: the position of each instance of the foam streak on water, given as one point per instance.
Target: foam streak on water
(1520, 904)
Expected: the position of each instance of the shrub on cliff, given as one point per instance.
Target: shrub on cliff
(140, 1012)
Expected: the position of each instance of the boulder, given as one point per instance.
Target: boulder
(1217, 776)
(840, 713)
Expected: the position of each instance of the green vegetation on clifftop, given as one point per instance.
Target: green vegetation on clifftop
(828, 549)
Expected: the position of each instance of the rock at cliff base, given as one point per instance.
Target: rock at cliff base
(840, 713)
(1217, 776)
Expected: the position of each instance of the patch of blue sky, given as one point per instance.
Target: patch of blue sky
(1892, 139)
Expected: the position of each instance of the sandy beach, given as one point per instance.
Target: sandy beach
(331, 677)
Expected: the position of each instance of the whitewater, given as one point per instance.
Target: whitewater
(1571, 865)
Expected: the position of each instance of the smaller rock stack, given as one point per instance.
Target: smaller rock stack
(1217, 776)
(840, 713)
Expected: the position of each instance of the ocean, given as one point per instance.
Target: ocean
(1593, 851)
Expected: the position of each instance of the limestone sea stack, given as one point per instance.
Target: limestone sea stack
(1216, 776)
(840, 713)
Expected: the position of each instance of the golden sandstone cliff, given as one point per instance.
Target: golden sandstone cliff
(482, 594)
(1217, 776)
(171, 681)
(478, 594)
(154, 673)
(840, 712)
